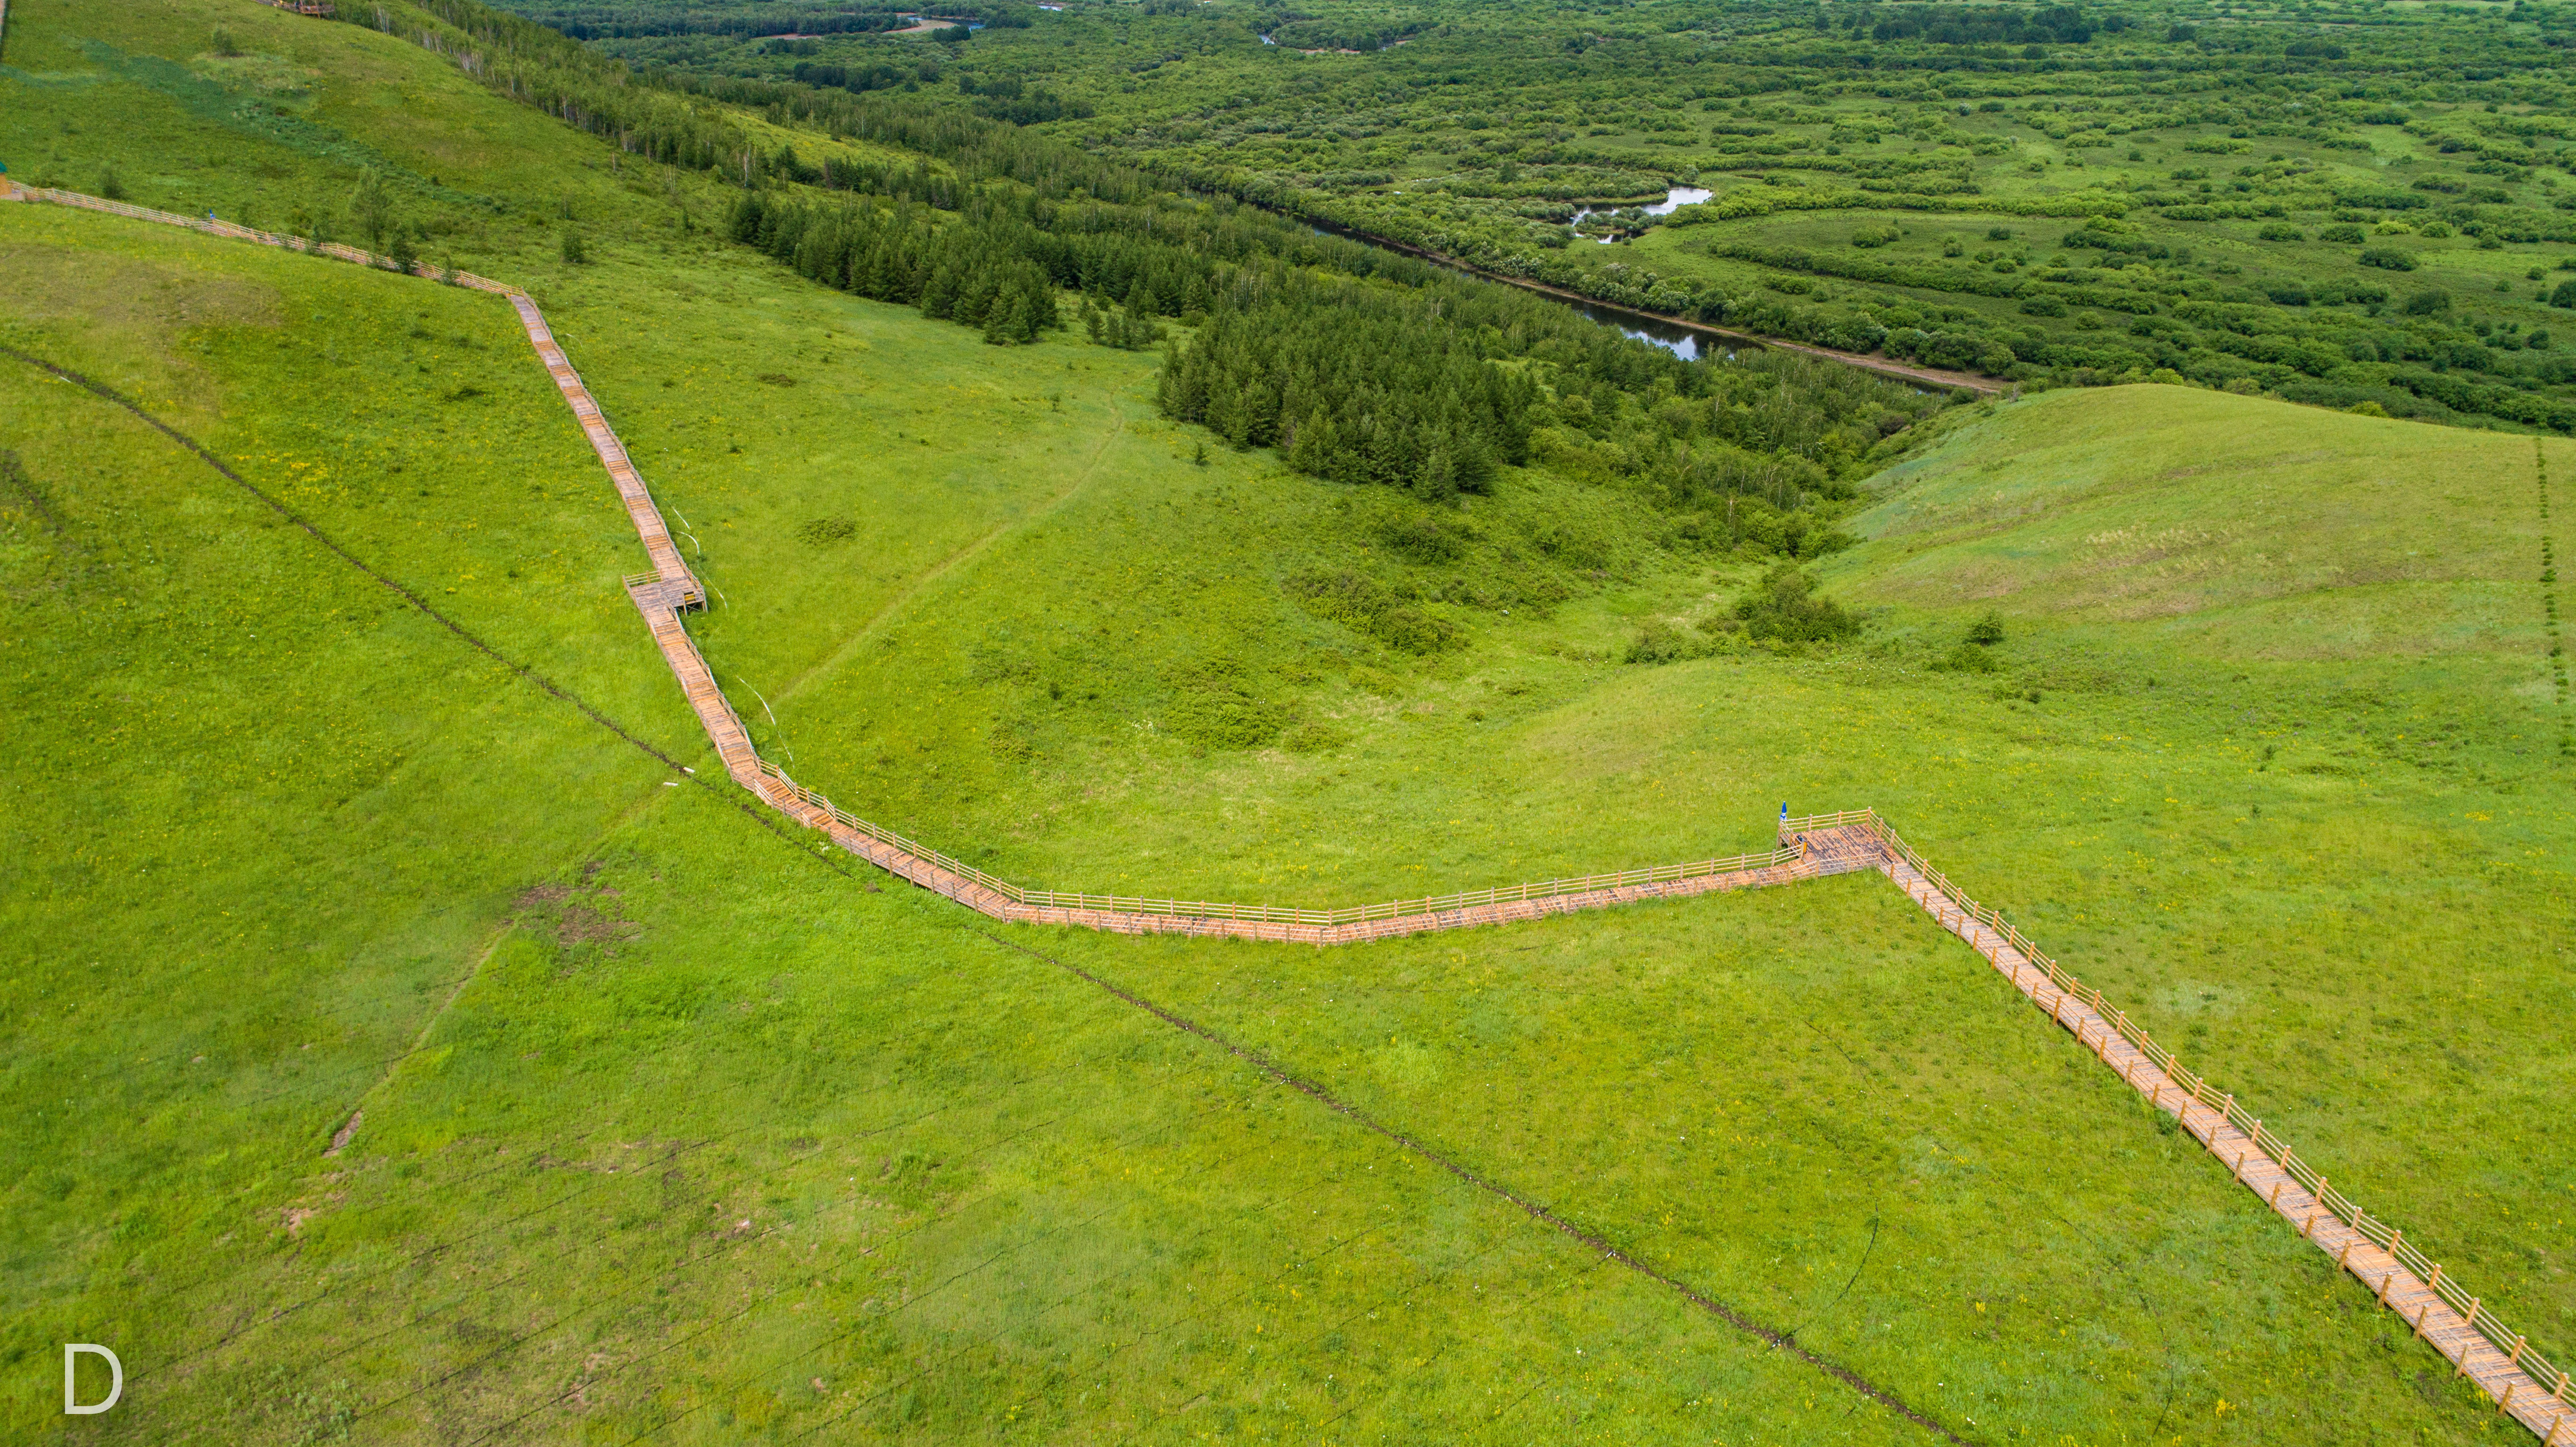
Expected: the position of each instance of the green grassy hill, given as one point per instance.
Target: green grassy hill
(672, 1128)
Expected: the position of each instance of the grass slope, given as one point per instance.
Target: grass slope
(716, 1141)
(267, 817)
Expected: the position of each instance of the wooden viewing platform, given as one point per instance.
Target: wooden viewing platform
(2524, 1385)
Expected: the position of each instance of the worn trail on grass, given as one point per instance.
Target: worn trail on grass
(961, 557)
(2457, 1325)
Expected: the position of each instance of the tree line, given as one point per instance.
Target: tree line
(1356, 385)
(1360, 364)
(974, 274)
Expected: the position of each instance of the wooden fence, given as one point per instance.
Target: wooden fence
(1464, 900)
(238, 232)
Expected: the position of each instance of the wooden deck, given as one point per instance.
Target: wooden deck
(2454, 1324)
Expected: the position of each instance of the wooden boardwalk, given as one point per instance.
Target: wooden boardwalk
(662, 606)
(2457, 1325)
(679, 587)
(1505, 911)
(2539, 1405)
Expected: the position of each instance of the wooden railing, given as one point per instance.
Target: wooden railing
(238, 232)
(1289, 914)
(2515, 1345)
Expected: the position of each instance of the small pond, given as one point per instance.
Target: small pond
(1674, 199)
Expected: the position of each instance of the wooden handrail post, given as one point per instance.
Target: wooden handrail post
(2466, 1345)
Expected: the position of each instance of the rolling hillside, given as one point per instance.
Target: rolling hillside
(647, 1120)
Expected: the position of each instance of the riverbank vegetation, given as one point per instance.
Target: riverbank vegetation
(2340, 204)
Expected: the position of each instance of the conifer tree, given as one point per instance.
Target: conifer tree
(1002, 323)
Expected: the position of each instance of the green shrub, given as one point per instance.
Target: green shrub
(2387, 257)
(823, 532)
(1312, 738)
(573, 253)
(1988, 629)
(1661, 642)
(1367, 607)
(1966, 658)
(1784, 606)
(1423, 540)
(1214, 708)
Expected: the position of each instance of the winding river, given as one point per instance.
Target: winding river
(1681, 336)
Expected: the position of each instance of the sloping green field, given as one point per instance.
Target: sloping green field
(675, 1129)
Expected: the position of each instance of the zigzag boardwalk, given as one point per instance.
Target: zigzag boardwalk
(2480, 1347)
